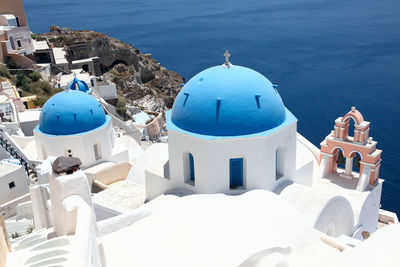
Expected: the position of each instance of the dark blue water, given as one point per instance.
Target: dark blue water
(326, 56)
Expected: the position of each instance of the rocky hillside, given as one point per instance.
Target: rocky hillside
(142, 81)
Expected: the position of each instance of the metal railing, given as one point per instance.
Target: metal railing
(13, 149)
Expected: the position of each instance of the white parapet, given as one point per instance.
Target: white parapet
(73, 214)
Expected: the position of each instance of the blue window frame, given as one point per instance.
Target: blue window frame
(236, 172)
(191, 167)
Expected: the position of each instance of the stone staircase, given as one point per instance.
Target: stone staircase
(8, 89)
(16, 152)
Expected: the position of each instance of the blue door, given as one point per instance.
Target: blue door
(236, 173)
(191, 166)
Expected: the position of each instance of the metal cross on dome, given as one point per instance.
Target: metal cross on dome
(227, 64)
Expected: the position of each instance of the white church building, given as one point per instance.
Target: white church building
(73, 124)
(230, 132)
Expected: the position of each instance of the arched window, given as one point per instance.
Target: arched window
(279, 163)
(340, 159)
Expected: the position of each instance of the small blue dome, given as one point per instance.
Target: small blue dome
(77, 84)
(71, 112)
(233, 101)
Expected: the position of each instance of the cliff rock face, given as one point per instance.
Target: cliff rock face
(139, 78)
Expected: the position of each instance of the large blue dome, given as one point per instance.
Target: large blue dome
(222, 101)
(71, 112)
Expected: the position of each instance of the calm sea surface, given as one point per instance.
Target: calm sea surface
(326, 56)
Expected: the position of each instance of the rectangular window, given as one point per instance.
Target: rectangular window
(11, 185)
(19, 44)
(279, 164)
(236, 173)
(96, 150)
(191, 165)
(189, 173)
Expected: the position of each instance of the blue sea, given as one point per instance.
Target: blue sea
(325, 55)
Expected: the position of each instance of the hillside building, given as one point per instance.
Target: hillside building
(15, 36)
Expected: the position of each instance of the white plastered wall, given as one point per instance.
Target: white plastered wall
(327, 212)
(18, 176)
(23, 34)
(81, 145)
(368, 215)
(211, 162)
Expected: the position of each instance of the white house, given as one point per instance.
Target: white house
(14, 187)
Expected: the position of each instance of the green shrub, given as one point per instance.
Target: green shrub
(116, 79)
(41, 87)
(11, 64)
(114, 72)
(60, 39)
(40, 100)
(15, 235)
(35, 76)
(20, 80)
(4, 72)
(121, 107)
(29, 230)
(78, 35)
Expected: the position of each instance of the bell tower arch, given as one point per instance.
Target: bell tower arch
(340, 147)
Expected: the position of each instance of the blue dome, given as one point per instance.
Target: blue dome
(233, 101)
(77, 84)
(71, 112)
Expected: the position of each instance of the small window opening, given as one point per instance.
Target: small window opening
(69, 152)
(236, 173)
(11, 185)
(85, 67)
(96, 150)
(279, 163)
(189, 169)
